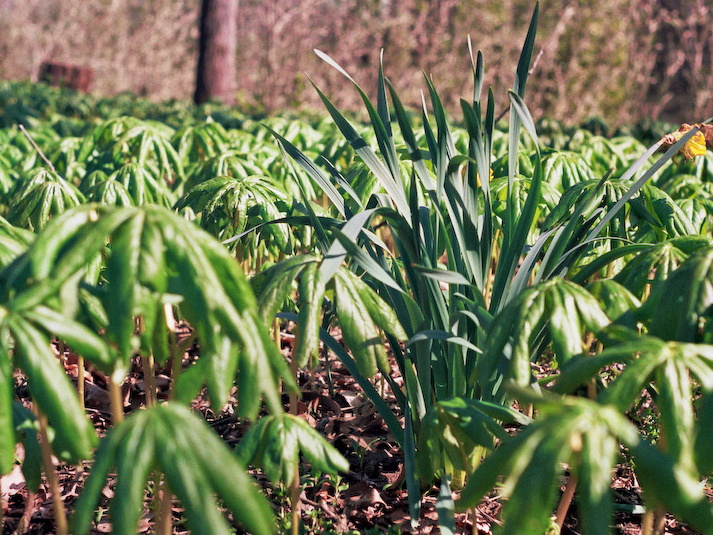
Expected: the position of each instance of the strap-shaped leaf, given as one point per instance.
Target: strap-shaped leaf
(687, 296)
(312, 289)
(452, 429)
(369, 157)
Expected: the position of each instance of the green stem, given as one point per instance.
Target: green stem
(60, 516)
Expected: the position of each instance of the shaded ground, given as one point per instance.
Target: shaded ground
(371, 498)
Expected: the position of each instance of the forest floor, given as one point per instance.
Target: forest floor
(371, 498)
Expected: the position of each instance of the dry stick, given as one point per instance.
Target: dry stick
(60, 516)
(42, 155)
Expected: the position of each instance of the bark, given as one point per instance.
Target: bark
(216, 51)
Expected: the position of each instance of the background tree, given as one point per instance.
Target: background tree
(216, 51)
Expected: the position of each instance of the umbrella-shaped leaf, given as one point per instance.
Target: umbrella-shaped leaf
(26, 428)
(312, 289)
(50, 388)
(275, 443)
(654, 264)
(171, 440)
(42, 196)
(560, 309)
(273, 285)
(682, 303)
(577, 431)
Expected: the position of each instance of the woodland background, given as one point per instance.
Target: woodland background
(621, 61)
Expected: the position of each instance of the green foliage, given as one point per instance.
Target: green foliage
(276, 442)
(196, 465)
(504, 273)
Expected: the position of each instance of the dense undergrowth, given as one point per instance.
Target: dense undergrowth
(517, 321)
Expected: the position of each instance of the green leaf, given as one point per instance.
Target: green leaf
(26, 427)
(312, 289)
(665, 482)
(198, 467)
(51, 390)
(275, 443)
(7, 427)
(80, 338)
(360, 334)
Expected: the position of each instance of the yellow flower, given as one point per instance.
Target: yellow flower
(696, 146)
(477, 177)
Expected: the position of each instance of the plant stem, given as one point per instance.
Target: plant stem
(295, 502)
(647, 522)
(117, 405)
(566, 500)
(80, 380)
(60, 516)
(176, 350)
(276, 332)
(147, 363)
(659, 520)
(164, 523)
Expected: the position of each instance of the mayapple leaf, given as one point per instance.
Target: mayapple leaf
(687, 296)
(171, 440)
(26, 428)
(276, 442)
(583, 433)
(273, 285)
(51, 390)
(560, 309)
(80, 338)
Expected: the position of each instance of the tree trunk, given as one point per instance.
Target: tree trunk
(216, 51)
